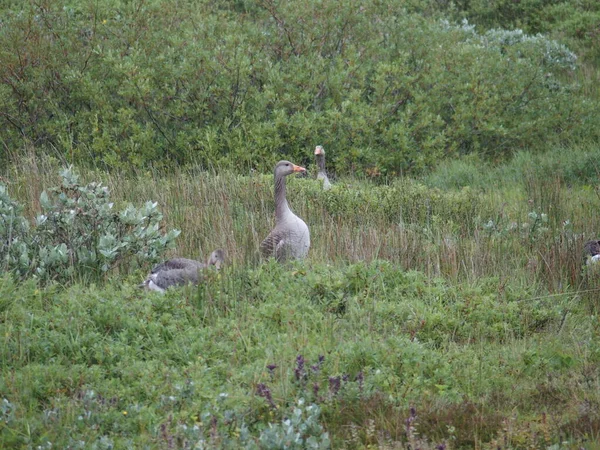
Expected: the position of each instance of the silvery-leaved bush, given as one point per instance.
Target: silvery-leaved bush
(79, 234)
(300, 430)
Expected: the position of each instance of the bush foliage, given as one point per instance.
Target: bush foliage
(242, 84)
(576, 22)
(78, 234)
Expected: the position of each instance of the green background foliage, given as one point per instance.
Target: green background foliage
(383, 86)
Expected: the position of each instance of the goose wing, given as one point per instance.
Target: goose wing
(178, 263)
(272, 245)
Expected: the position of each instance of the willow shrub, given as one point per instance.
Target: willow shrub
(243, 85)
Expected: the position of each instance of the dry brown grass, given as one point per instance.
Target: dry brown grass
(219, 209)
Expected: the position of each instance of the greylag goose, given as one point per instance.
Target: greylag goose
(322, 175)
(290, 239)
(178, 271)
(591, 252)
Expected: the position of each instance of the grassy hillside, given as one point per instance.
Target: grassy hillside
(453, 316)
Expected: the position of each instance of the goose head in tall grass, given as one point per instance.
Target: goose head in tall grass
(179, 271)
(290, 239)
(322, 173)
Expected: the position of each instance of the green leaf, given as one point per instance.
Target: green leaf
(45, 202)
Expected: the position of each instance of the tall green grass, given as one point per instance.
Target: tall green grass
(526, 219)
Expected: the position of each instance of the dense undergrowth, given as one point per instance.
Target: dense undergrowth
(390, 357)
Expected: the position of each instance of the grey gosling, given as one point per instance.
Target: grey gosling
(179, 271)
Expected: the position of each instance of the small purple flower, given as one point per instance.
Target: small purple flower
(167, 436)
(316, 389)
(213, 428)
(334, 385)
(345, 377)
(360, 378)
(263, 391)
(441, 447)
(410, 419)
(271, 368)
(316, 367)
(299, 370)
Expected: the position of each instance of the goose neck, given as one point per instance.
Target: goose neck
(281, 205)
(321, 163)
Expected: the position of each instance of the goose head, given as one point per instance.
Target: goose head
(216, 259)
(285, 168)
(319, 150)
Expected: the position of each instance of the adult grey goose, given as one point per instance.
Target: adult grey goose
(290, 239)
(591, 252)
(178, 271)
(322, 174)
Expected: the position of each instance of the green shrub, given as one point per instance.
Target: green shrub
(79, 234)
(301, 430)
(577, 22)
(241, 85)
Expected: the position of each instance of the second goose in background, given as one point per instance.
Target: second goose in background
(322, 175)
(290, 239)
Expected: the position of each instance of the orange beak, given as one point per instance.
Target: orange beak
(318, 150)
(298, 168)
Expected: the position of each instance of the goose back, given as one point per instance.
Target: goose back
(178, 263)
